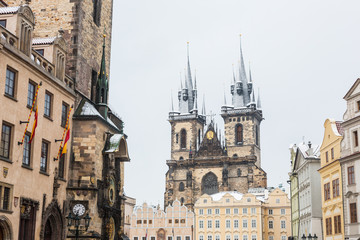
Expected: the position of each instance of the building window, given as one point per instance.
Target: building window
(181, 187)
(5, 141)
(170, 220)
(217, 211)
(236, 211)
(245, 237)
(177, 238)
(152, 238)
(283, 237)
(236, 237)
(28, 219)
(239, 172)
(271, 237)
(209, 237)
(10, 83)
(31, 94)
(228, 223)
(282, 211)
(253, 237)
(217, 237)
(201, 211)
(336, 188)
(27, 150)
(356, 139)
(253, 223)
(201, 237)
(253, 210)
(47, 105)
(332, 154)
(44, 156)
(209, 224)
(138, 222)
(64, 113)
(337, 224)
(97, 11)
(277, 200)
(271, 224)
(209, 211)
(256, 135)
(227, 211)
(187, 238)
(239, 134)
(236, 223)
(244, 210)
(245, 223)
(327, 156)
(228, 237)
(40, 51)
(283, 225)
(217, 223)
(62, 166)
(183, 138)
(351, 175)
(327, 191)
(328, 226)
(3, 23)
(201, 224)
(5, 196)
(270, 212)
(353, 213)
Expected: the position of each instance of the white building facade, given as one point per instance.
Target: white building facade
(307, 162)
(350, 163)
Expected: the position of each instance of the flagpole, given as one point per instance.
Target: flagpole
(31, 110)
(65, 129)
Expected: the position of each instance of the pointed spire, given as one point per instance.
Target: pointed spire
(172, 102)
(203, 111)
(102, 82)
(195, 87)
(253, 96)
(250, 78)
(242, 77)
(224, 98)
(258, 100)
(188, 79)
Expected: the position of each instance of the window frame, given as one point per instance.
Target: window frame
(9, 144)
(14, 87)
(4, 21)
(271, 224)
(356, 138)
(353, 212)
(47, 93)
(47, 143)
(64, 117)
(33, 84)
(336, 187)
(327, 195)
(239, 135)
(351, 175)
(26, 143)
(3, 186)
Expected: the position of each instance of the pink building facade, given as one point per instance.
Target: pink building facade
(151, 223)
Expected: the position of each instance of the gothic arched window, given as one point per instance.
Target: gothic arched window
(182, 200)
(239, 134)
(209, 184)
(181, 187)
(183, 138)
(199, 137)
(239, 172)
(256, 135)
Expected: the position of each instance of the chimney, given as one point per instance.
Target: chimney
(310, 150)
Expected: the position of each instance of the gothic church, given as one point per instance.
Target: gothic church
(203, 163)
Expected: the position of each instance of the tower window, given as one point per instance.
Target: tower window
(239, 134)
(239, 172)
(256, 135)
(183, 138)
(177, 138)
(97, 11)
(181, 187)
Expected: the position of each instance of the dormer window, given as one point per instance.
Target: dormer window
(25, 37)
(40, 51)
(3, 23)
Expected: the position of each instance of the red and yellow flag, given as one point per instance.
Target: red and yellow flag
(34, 125)
(65, 141)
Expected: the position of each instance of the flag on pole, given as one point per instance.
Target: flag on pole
(146, 234)
(34, 125)
(64, 150)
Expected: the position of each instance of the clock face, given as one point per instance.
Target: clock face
(79, 209)
(210, 135)
(111, 192)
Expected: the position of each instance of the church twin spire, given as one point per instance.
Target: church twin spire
(102, 85)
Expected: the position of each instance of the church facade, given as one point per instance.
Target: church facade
(201, 162)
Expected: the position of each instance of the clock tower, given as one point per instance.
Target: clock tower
(201, 161)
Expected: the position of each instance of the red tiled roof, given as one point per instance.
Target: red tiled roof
(339, 127)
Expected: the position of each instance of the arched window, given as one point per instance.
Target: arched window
(181, 158)
(209, 184)
(199, 137)
(182, 200)
(256, 135)
(239, 134)
(183, 138)
(181, 187)
(239, 172)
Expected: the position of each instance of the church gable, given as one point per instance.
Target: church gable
(210, 145)
(354, 90)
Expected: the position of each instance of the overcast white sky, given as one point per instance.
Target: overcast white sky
(304, 56)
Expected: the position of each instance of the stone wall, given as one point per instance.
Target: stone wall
(84, 38)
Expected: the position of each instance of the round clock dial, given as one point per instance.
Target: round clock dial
(210, 135)
(79, 209)
(111, 192)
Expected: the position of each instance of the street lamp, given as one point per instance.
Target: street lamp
(75, 221)
(309, 237)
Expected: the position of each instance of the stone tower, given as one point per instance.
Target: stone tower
(242, 119)
(201, 162)
(82, 24)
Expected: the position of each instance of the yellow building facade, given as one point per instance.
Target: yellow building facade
(237, 216)
(331, 182)
(277, 216)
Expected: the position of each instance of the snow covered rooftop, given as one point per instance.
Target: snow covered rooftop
(43, 41)
(8, 10)
(218, 196)
(114, 143)
(305, 147)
